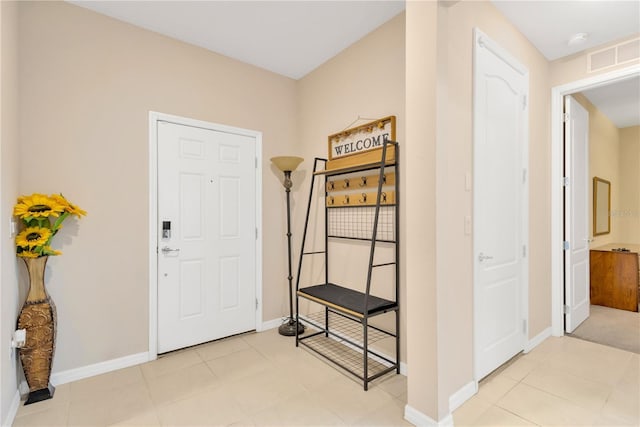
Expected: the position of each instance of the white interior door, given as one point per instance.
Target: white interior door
(206, 261)
(576, 205)
(500, 205)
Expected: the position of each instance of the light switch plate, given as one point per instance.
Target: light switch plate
(467, 225)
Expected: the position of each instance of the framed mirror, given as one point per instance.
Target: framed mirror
(601, 206)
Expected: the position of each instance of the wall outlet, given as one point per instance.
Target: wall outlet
(19, 338)
(13, 228)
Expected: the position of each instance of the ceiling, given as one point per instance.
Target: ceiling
(549, 25)
(292, 38)
(620, 102)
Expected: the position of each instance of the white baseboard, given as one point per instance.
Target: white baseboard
(70, 375)
(419, 419)
(537, 340)
(465, 393)
(446, 421)
(270, 324)
(23, 388)
(13, 410)
(404, 369)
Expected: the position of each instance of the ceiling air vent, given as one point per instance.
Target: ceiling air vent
(614, 55)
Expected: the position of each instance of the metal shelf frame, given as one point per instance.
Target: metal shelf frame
(328, 340)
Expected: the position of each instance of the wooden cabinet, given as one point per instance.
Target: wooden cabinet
(614, 278)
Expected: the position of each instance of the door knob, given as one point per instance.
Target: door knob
(167, 250)
(482, 257)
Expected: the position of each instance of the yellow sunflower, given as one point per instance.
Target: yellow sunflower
(47, 250)
(37, 205)
(68, 206)
(33, 236)
(28, 254)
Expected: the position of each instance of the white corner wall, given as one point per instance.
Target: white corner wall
(9, 150)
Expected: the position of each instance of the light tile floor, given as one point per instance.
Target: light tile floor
(562, 382)
(262, 379)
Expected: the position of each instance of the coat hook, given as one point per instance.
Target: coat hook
(364, 198)
(346, 183)
(384, 197)
(346, 200)
(330, 185)
(330, 201)
(363, 181)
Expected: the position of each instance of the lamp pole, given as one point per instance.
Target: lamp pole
(287, 165)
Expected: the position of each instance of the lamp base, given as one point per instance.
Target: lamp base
(288, 329)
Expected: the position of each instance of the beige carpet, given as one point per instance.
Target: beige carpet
(612, 327)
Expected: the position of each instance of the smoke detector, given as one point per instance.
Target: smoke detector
(577, 39)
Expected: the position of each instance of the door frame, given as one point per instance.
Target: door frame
(154, 117)
(481, 37)
(557, 159)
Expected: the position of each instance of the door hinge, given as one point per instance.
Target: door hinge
(565, 181)
(565, 309)
(524, 326)
(256, 303)
(524, 176)
(256, 233)
(524, 251)
(565, 245)
(256, 163)
(565, 117)
(524, 102)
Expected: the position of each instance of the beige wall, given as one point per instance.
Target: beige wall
(8, 193)
(604, 162)
(454, 292)
(574, 67)
(364, 80)
(419, 207)
(628, 216)
(87, 83)
(614, 155)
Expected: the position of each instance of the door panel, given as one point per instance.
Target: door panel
(576, 209)
(206, 268)
(191, 285)
(229, 278)
(229, 207)
(500, 203)
(191, 206)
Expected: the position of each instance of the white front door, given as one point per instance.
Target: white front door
(576, 205)
(206, 235)
(500, 205)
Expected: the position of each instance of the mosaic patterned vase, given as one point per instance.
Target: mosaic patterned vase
(38, 318)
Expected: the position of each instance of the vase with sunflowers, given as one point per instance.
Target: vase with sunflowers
(42, 217)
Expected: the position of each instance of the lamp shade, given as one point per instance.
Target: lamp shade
(286, 163)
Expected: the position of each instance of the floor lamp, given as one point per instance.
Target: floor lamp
(288, 164)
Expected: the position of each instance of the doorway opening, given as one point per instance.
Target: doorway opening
(559, 216)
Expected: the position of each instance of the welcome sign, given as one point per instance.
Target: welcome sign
(362, 139)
